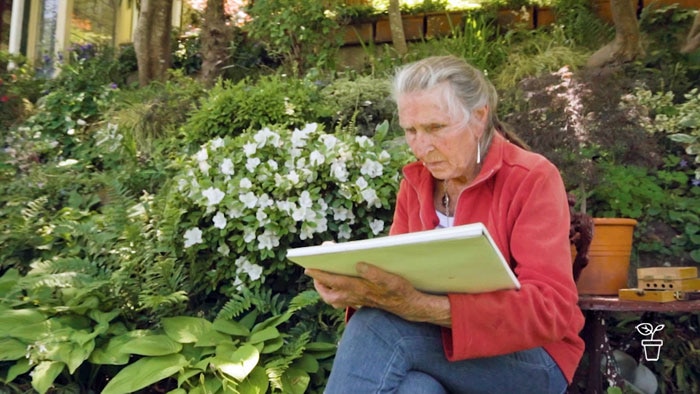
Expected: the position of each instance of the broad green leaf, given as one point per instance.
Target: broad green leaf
(212, 338)
(682, 138)
(249, 320)
(273, 321)
(32, 332)
(145, 372)
(210, 385)
(44, 374)
(273, 345)
(12, 320)
(103, 317)
(152, 345)
(230, 327)
(264, 335)
(8, 280)
(307, 363)
(295, 381)
(111, 354)
(255, 383)
(185, 375)
(186, 329)
(239, 364)
(12, 349)
(73, 354)
(321, 350)
(177, 391)
(20, 368)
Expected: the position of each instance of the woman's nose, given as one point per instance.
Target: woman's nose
(422, 144)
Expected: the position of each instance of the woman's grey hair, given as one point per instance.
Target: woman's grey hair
(467, 87)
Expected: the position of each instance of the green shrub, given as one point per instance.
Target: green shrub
(304, 34)
(230, 108)
(19, 89)
(361, 102)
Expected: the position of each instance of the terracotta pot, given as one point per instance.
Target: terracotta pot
(608, 257)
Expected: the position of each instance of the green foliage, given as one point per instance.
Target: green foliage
(230, 108)
(681, 121)
(239, 203)
(533, 53)
(304, 34)
(19, 89)
(362, 102)
(252, 354)
(581, 25)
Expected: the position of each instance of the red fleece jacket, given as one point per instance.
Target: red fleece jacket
(520, 197)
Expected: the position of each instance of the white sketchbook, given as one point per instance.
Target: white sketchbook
(460, 259)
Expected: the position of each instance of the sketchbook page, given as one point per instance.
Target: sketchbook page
(461, 259)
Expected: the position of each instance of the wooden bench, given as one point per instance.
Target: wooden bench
(594, 334)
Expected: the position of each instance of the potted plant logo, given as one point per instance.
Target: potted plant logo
(652, 347)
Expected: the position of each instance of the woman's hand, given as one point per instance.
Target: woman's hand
(377, 288)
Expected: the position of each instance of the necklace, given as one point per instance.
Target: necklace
(446, 199)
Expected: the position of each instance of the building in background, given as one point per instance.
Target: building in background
(46, 29)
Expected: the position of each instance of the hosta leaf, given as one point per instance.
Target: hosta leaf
(12, 349)
(231, 327)
(145, 372)
(20, 368)
(295, 381)
(255, 383)
(264, 335)
(273, 345)
(44, 374)
(152, 345)
(185, 329)
(239, 364)
(307, 363)
(12, 320)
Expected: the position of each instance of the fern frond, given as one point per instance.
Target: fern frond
(303, 299)
(235, 307)
(35, 209)
(291, 351)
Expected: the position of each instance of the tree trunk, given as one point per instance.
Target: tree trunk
(216, 40)
(398, 37)
(152, 40)
(692, 42)
(626, 45)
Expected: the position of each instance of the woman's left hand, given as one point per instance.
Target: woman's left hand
(373, 288)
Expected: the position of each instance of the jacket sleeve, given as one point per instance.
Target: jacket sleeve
(545, 308)
(399, 223)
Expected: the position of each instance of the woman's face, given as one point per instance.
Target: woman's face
(441, 140)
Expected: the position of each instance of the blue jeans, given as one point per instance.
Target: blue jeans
(382, 353)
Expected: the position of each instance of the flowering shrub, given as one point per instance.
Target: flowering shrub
(248, 198)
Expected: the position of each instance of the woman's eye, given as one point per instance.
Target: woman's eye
(435, 127)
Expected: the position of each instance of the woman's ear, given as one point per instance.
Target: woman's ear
(480, 118)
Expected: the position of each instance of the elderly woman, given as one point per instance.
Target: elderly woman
(399, 339)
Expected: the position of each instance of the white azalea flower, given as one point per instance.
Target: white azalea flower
(370, 196)
(377, 226)
(204, 167)
(293, 177)
(250, 148)
(364, 141)
(384, 156)
(339, 171)
(245, 183)
(361, 183)
(249, 199)
(273, 165)
(344, 232)
(216, 143)
(202, 155)
(316, 158)
(234, 213)
(248, 235)
(305, 200)
(329, 141)
(193, 236)
(253, 271)
(213, 195)
(252, 164)
(219, 220)
(371, 168)
(226, 167)
(268, 240)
